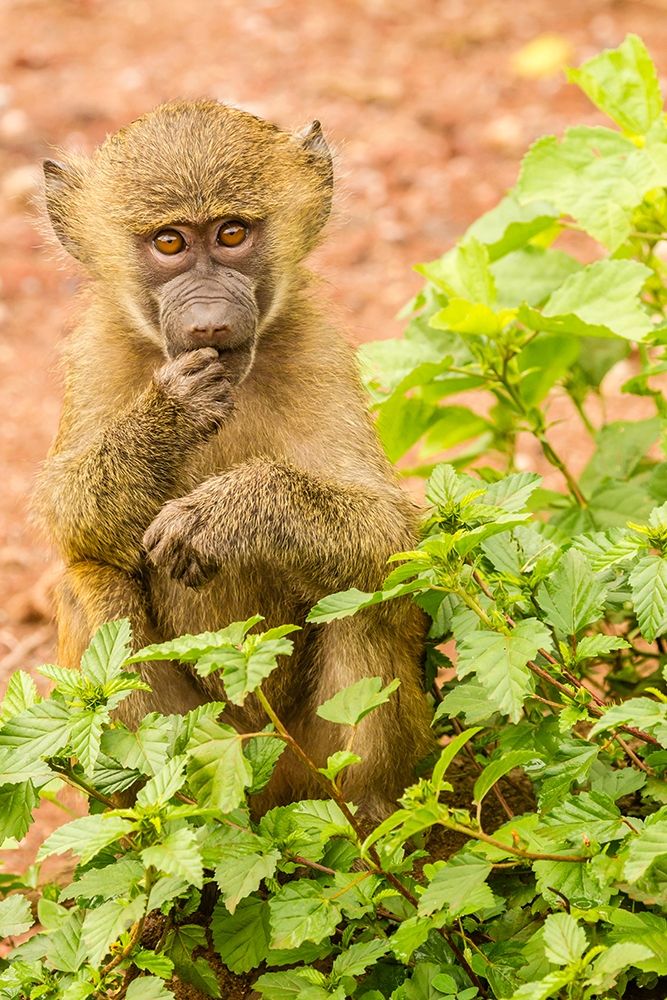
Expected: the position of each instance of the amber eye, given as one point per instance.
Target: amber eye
(232, 233)
(169, 242)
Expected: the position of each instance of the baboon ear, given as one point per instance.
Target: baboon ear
(311, 138)
(61, 184)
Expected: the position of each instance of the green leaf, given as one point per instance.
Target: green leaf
(589, 815)
(595, 175)
(117, 879)
(218, 771)
(104, 925)
(159, 789)
(150, 961)
(511, 225)
(65, 949)
(188, 648)
(107, 652)
(21, 693)
(468, 698)
(646, 848)
(648, 583)
(620, 447)
(459, 884)
(596, 647)
(623, 83)
(39, 731)
(295, 984)
(263, 755)
(564, 939)
(241, 869)
(15, 916)
(16, 806)
(86, 836)
(148, 988)
(499, 663)
(606, 548)
(410, 935)
(349, 706)
(531, 275)
(642, 712)
(348, 602)
(179, 855)
(143, 749)
(448, 754)
(543, 362)
(337, 762)
(242, 938)
(497, 769)
(573, 596)
(86, 735)
(301, 912)
(246, 668)
(585, 884)
(602, 300)
(358, 958)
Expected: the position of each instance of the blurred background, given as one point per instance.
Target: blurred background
(429, 105)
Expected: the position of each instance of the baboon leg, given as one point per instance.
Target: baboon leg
(92, 593)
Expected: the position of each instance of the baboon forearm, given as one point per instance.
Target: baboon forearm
(331, 535)
(100, 499)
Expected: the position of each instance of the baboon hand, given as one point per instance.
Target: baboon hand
(197, 381)
(178, 542)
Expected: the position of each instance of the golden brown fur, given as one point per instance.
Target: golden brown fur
(288, 497)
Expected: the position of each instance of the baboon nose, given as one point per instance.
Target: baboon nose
(208, 329)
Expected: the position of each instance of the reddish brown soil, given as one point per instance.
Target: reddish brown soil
(421, 100)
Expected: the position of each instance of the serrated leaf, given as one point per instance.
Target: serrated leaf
(21, 694)
(499, 663)
(295, 984)
(178, 855)
(39, 731)
(240, 870)
(65, 949)
(512, 492)
(349, 706)
(218, 771)
(410, 935)
(358, 958)
(448, 753)
(16, 806)
(148, 988)
(606, 548)
(459, 884)
(590, 815)
(645, 849)
(15, 916)
(143, 749)
(597, 646)
(648, 582)
(113, 880)
(86, 735)
(497, 769)
(348, 602)
(623, 83)
(301, 912)
(263, 755)
(468, 698)
(573, 596)
(107, 652)
(584, 883)
(602, 300)
(150, 961)
(159, 789)
(189, 648)
(337, 762)
(241, 939)
(641, 712)
(104, 925)
(564, 940)
(246, 668)
(85, 836)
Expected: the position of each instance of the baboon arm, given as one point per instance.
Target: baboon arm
(328, 535)
(99, 490)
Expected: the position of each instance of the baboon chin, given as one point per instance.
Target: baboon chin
(214, 456)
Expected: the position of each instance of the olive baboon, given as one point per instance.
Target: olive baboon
(214, 457)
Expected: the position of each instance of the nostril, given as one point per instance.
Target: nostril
(209, 328)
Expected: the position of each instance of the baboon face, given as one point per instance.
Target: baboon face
(195, 217)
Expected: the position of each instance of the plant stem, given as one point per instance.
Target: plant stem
(516, 851)
(558, 463)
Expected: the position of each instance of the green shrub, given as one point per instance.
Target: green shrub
(554, 606)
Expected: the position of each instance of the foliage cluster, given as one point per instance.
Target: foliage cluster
(551, 606)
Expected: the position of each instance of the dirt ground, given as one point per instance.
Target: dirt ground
(429, 105)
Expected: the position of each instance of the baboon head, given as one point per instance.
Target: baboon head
(194, 219)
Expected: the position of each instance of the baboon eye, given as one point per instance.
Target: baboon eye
(169, 242)
(232, 233)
